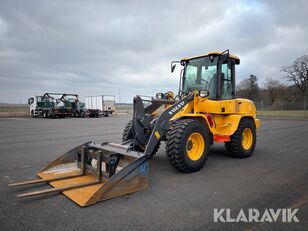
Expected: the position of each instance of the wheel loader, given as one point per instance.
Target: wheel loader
(205, 110)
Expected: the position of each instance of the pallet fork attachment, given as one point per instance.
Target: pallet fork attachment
(91, 173)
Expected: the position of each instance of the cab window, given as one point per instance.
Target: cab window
(226, 81)
(200, 74)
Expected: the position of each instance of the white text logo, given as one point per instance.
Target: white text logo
(254, 215)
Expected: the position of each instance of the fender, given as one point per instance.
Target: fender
(230, 124)
(201, 117)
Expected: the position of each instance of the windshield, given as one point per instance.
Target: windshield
(200, 74)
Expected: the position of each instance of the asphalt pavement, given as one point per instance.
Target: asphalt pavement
(276, 176)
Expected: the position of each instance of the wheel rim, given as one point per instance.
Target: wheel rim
(247, 138)
(195, 146)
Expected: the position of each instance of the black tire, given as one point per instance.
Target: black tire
(45, 114)
(127, 135)
(177, 142)
(32, 114)
(235, 147)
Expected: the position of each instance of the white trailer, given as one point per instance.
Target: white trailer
(100, 104)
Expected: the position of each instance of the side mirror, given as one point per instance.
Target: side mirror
(224, 56)
(30, 101)
(173, 67)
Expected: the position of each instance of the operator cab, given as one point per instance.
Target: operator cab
(214, 72)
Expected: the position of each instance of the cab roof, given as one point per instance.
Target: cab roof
(237, 59)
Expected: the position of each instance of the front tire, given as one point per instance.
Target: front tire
(242, 143)
(45, 114)
(127, 135)
(32, 114)
(188, 144)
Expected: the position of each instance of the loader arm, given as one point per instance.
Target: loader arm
(162, 123)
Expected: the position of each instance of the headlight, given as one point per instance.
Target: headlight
(160, 95)
(203, 93)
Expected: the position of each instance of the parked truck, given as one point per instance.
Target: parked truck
(50, 105)
(100, 105)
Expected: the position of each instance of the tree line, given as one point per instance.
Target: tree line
(273, 91)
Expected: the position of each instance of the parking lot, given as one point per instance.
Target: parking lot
(276, 176)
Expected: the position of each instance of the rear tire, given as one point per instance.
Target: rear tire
(127, 135)
(242, 143)
(188, 144)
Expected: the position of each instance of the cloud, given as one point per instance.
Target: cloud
(103, 47)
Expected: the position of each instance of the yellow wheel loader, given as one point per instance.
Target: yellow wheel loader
(204, 111)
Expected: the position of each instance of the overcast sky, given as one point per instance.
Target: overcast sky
(103, 47)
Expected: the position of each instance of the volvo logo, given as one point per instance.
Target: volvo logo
(176, 108)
